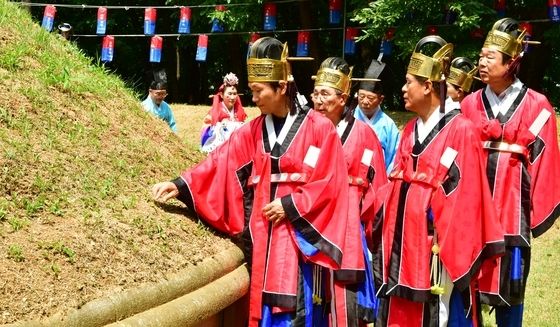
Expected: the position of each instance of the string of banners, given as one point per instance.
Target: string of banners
(184, 27)
(269, 25)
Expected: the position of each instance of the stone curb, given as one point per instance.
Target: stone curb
(112, 308)
(195, 307)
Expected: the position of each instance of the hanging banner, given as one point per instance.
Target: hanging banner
(269, 16)
(101, 21)
(202, 47)
(335, 10)
(155, 48)
(48, 17)
(386, 48)
(500, 6)
(107, 48)
(303, 44)
(252, 39)
(478, 33)
(554, 10)
(185, 20)
(217, 25)
(150, 21)
(349, 40)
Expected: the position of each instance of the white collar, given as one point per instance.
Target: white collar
(424, 128)
(272, 138)
(502, 102)
(341, 127)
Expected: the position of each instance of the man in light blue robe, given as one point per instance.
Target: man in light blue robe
(370, 97)
(155, 104)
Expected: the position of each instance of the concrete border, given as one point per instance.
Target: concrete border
(195, 307)
(115, 307)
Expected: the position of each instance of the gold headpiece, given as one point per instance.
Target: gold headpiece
(504, 42)
(460, 77)
(269, 70)
(334, 78)
(433, 68)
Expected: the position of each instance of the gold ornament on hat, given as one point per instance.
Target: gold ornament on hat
(432, 68)
(333, 78)
(462, 78)
(338, 80)
(272, 70)
(505, 42)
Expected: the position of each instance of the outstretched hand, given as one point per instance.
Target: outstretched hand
(164, 191)
(274, 211)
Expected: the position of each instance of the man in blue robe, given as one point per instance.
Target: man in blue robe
(155, 104)
(370, 97)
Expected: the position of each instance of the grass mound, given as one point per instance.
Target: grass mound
(77, 159)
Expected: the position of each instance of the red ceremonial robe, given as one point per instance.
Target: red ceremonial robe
(304, 167)
(366, 173)
(219, 112)
(436, 187)
(523, 170)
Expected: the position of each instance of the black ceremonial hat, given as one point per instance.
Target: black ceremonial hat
(377, 70)
(158, 79)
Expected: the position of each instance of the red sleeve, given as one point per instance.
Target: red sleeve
(215, 187)
(464, 214)
(544, 168)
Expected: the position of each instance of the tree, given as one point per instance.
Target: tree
(465, 23)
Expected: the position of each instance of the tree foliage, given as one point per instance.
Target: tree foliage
(465, 24)
(462, 22)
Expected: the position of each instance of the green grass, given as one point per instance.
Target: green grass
(78, 156)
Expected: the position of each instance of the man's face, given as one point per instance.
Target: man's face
(490, 66)
(158, 95)
(369, 101)
(268, 99)
(329, 102)
(413, 93)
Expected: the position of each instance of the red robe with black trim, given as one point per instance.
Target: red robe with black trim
(304, 167)
(524, 182)
(366, 173)
(219, 112)
(436, 187)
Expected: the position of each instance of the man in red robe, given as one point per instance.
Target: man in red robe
(355, 301)
(437, 224)
(281, 183)
(517, 127)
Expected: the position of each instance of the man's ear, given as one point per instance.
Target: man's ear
(344, 98)
(428, 87)
(381, 97)
(283, 87)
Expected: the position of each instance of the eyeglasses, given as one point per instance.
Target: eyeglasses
(159, 93)
(321, 96)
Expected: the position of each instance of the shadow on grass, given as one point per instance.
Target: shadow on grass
(176, 208)
(180, 209)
